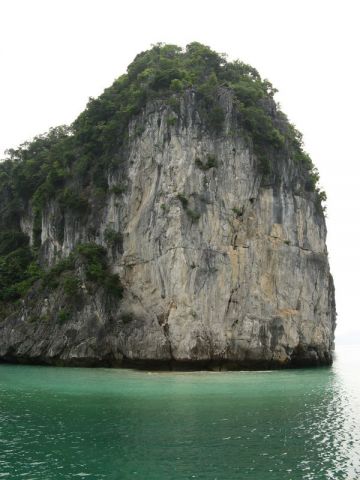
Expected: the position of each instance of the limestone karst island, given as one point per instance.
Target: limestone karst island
(177, 223)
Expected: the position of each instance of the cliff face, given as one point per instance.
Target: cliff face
(220, 264)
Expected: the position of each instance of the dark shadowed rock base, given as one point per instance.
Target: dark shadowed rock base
(305, 358)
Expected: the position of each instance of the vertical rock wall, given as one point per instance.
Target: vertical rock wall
(220, 265)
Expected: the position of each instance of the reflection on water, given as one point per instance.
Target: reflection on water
(329, 427)
(111, 424)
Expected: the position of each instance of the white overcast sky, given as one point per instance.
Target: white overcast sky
(54, 54)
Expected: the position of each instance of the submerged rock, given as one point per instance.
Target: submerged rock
(222, 262)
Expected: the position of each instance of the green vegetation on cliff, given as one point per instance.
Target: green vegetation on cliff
(87, 265)
(71, 164)
(80, 155)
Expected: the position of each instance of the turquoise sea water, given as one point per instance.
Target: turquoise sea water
(58, 423)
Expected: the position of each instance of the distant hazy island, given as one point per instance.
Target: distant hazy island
(176, 223)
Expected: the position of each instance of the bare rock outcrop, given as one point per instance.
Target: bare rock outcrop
(221, 265)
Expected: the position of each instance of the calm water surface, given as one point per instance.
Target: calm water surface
(60, 423)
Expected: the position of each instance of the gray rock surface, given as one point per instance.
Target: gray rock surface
(221, 266)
